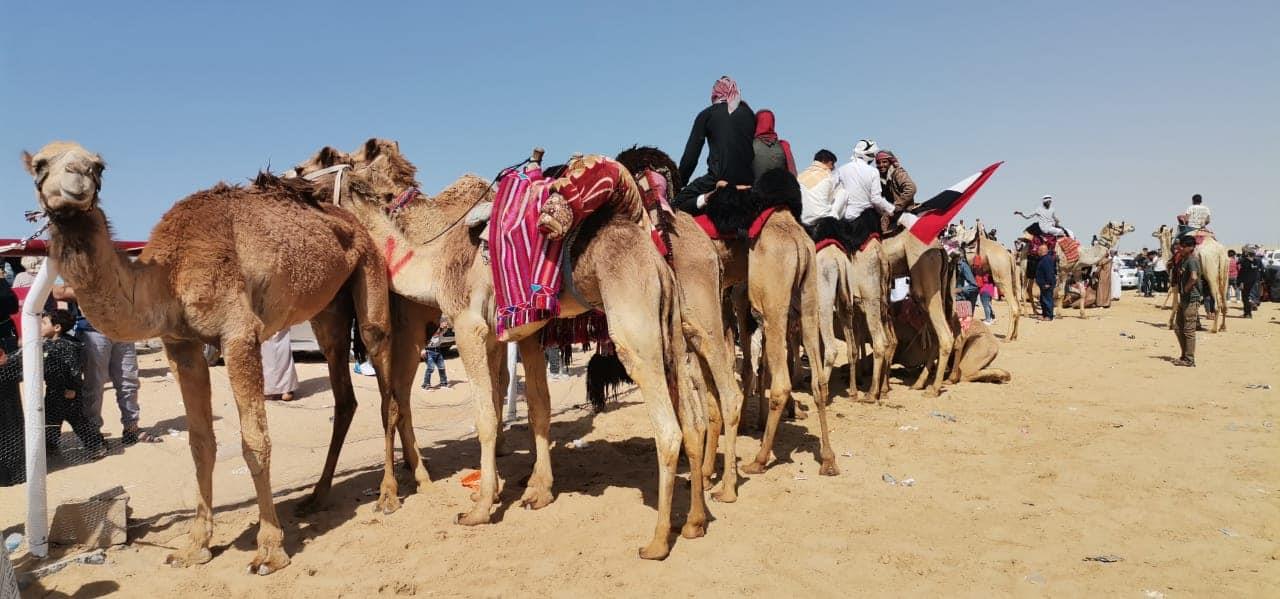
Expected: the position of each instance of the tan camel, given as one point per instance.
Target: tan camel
(784, 266)
(853, 290)
(1213, 268)
(228, 266)
(1097, 254)
(928, 267)
(694, 262)
(999, 261)
(975, 350)
(617, 242)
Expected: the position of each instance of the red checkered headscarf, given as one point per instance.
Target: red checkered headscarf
(725, 91)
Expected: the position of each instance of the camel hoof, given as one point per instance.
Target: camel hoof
(754, 468)
(829, 468)
(309, 506)
(268, 560)
(656, 550)
(388, 503)
(536, 499)
(726, 494)
(473, 518)
(931, 393)
(693, 530)
(189, 557)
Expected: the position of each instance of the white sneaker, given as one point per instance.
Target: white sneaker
(989, 322)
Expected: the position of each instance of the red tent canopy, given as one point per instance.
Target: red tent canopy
(40, 247)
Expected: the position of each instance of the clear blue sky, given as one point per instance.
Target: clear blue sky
(1122, 110)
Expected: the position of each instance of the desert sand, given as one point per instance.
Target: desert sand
(1097, 447)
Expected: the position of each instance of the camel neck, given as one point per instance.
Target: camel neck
(413, 268)
(124, 300)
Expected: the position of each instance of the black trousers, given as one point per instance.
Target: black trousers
(687, 198)
(60, 409)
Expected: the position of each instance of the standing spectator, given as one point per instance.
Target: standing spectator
(966, 284)
(1046, 280)
(363, 365)
(1160, 270)
(13, 466)
(1250, 275)
(1149, 274)
(434, 358)
(1187, 317)
(1233, 275)
(63, 379)
(1140, 265)
(107, 361)
(279, 377)
(986, 290)
(556, 368)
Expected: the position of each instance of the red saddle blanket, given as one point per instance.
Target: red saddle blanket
(825, 243)
(757, 225)
(1070, 248)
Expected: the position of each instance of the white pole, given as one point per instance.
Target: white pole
(512, 354)
(33, 377)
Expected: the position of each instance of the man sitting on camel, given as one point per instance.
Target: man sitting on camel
(728, 127)
(1046, 222)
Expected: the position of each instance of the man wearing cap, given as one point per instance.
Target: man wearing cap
(1187, 318)
(861, 182)
(1045, 218)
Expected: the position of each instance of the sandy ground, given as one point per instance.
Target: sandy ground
(1097, 447)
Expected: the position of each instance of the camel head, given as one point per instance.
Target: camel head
(67, 177)
(386, 168)
(328, 156)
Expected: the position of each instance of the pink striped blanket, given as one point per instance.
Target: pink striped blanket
(526, 265)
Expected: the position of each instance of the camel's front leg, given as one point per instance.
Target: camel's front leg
(243, 353)
(774, 330)
(332, 328)
(471, 330)
(538, 494)
(186, 361)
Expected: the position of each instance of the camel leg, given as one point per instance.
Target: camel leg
(988, 375)
(243, 353)
(724, 403)
(639, 347)
(333, 334)
(408, 336)
(830, 281)
(1005, 285)
(496, 353)
(932, 303)
(820, 375)
(187, 363)
(742, 314)
(881, 346)
(471, 330)
(537, 494)
(369, 294)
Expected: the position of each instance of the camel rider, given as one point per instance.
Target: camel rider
(896, 185)
(1044, 218)
(1195, 217)
(728, 127)
(820, 192)
(769, 151)
(861, 182)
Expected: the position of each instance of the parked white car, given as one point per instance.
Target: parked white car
(1127, 271)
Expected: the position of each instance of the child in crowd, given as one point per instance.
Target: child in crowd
(435, 359)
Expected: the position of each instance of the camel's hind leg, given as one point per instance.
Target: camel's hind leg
(537, 494)
(243, 352)
(988, 375)
(1008, 293)
(930, 264)
(332, 328)
(408, 336)
(186, 361)
(820, 374)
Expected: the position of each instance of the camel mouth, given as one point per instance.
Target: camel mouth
(61, 206)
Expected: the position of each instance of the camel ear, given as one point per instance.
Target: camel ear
(27, 163)
(371, 148)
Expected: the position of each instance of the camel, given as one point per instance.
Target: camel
(228, 266)
(1213, 268)
(783, 262)
(1097, 254)
(693, 260)
(855, 288)
(975, 349)
(929, 269)
(614, 240)
(999, 261)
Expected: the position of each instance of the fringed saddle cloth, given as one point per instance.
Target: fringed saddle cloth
(526, 265)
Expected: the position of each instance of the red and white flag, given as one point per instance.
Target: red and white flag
(935, 214)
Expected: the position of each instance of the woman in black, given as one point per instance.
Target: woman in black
(728, 127)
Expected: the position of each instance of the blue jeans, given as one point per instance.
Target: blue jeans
(986, 305)
(106, 361)
(435, 361)
(1046, 301)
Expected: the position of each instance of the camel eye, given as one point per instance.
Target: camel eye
(41, 164)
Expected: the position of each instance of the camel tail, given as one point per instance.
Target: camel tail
(605, 373)
(673, 343)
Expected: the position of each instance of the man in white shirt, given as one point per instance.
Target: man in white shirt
(1045, 218)
(861, 181)
(820, 192)
(1196, 215)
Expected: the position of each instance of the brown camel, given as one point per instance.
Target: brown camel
(777, 268)
(975, 349)
(1093, 255)
(615, 241)
(928, 266)
(693, 260)
(854, 291)
(1213, 269)
(228, 266)
(999, 261)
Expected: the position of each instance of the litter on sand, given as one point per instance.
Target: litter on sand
(907, 482)
(1228, 532)
(889, 479)
(1150, 594)
(1106, 559)
(943, 415)
(908, 427)
(1257, 386)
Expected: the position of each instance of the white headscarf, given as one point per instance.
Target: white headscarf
(865, 150)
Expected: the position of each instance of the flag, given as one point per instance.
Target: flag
(935, 214)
